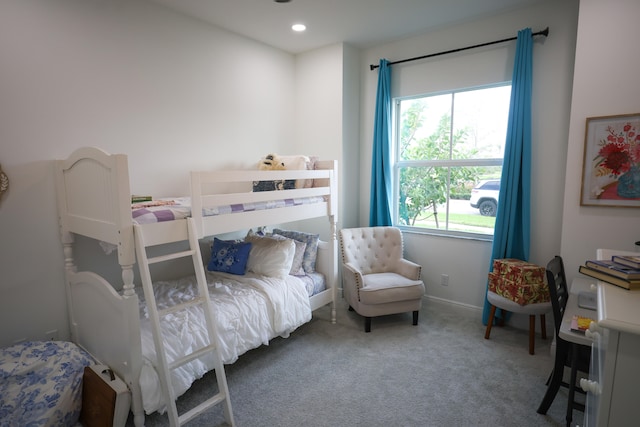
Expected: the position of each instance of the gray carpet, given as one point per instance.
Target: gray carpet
(439, 373)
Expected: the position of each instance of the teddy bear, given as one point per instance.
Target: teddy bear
(272, 162)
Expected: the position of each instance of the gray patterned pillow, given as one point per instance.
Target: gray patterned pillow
(310, 252)
(296, 267)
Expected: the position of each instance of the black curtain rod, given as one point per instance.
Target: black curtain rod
(544, 32)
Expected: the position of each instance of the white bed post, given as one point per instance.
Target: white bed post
(333, 217)
(67, 240)
(69, 269)
(334, 268)
(127, 280)
(126, 259)
(67, 248)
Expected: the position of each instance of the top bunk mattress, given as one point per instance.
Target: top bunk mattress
(178, 208)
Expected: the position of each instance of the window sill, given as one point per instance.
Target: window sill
(446, 234)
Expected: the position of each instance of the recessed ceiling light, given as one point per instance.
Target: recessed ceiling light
(282, 1)
(298, 27)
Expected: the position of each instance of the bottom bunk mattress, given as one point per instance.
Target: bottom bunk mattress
(41, 383)
(248, 311)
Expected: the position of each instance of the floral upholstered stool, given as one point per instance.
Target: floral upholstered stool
(519, 287)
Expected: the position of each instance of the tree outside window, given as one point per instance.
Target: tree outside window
(447, 144)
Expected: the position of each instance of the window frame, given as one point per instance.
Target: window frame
(397, 164)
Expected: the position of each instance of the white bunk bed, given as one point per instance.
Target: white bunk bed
(94, 200)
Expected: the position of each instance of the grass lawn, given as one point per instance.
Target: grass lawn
(474, 223)
(474, 220)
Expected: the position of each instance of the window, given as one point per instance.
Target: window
(449, 151)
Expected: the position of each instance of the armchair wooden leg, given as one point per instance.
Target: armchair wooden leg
(367, 324)
(415, 317)
(492, 314)
(543, 326)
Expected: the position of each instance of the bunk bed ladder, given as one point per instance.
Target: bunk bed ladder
(202, 300)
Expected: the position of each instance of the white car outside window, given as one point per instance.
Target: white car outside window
(484, 197)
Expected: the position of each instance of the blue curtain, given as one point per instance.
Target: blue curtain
(380, 205)
(512, 230)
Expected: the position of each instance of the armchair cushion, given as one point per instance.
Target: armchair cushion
(381, 288)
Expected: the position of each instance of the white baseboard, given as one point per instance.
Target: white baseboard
(457, 303)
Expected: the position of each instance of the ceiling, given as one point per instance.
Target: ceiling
(361, 23)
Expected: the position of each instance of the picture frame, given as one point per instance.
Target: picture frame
(611, 164)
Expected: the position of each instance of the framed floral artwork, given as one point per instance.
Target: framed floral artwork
(611, 167)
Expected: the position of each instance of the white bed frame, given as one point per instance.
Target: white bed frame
(94, 200)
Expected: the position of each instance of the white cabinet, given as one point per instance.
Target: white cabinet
(593, 385)
(614, 376)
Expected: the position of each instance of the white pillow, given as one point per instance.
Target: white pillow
(270, 257)
(300, 162)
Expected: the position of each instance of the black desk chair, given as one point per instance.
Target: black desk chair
(575, 356)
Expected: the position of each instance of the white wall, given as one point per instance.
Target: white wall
(327, 112)
(467, 261)
(172, 93)
(605, 83)
(318, 111)
(350, 184)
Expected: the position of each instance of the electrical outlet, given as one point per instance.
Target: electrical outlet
(51, 335)
(444, 280)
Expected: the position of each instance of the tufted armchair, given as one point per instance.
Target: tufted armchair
(377, 280)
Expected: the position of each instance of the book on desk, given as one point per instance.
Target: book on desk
(629, 284)
(628, 260)
(580, 323)
(614, 269)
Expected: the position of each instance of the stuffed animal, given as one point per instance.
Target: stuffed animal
(271, 163)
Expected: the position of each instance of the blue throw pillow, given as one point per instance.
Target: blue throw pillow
(229, 256)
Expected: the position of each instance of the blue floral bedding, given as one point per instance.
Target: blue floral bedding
(41, 383)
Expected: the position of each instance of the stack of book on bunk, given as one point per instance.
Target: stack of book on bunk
(621, 270)
(139, 199)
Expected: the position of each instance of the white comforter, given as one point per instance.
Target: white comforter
(248, 311)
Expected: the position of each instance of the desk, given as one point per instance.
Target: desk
(569, 343)
(578, 285)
